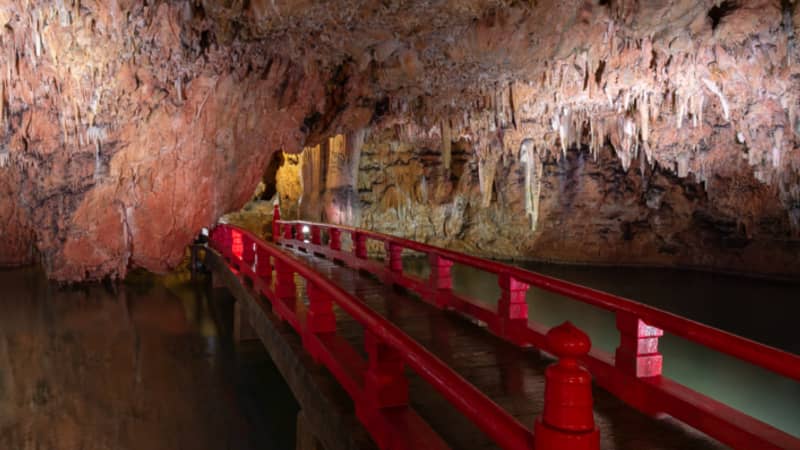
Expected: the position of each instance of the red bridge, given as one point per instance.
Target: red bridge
(480, 376)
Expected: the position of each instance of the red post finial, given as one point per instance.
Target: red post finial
(276, 216)
(567, 421)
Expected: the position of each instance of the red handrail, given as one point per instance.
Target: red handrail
(634, 376)
(770, 358)
(487, 415)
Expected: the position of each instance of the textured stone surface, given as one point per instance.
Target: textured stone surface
(127, 126)
(579, 209)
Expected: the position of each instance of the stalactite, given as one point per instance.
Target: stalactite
(644, 116)
(487, 165)
(718, 92)
(2, 104)
(682, 162)
(447, 144)
(179, 89)
(355, 142)
(680, 105)
(533, 180)
(311, 176)
(776, 148)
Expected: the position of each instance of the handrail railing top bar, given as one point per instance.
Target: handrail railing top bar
(762, 355)
(495, 421)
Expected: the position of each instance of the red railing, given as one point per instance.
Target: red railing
(378, 386)
(633, 374)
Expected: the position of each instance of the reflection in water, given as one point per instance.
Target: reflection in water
(764, 311)
(146, 364)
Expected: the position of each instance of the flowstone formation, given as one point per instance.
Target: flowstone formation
(600, 131)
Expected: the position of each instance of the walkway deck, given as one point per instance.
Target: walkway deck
(511, 376)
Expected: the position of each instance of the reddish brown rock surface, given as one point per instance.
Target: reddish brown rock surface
(128, 126)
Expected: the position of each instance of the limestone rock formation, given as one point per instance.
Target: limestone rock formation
(583, 130)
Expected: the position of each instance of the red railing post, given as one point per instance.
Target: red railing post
(394, 257)
(385, 384)
(298, 232)
(335, 236)
(276, 226)
(359, 245)
(512, 307)
(320, 317)
(287, 231)
(226, 241)
(440, 280)
(263, 264)
(315, 235)
(248, 251)
(285, 288)
(637, 353)
(568, 420)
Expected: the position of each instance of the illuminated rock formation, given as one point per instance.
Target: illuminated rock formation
(658, 132)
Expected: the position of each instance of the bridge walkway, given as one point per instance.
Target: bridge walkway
(511, 376)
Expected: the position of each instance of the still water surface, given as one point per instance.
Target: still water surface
(148, 363)
(761, 310)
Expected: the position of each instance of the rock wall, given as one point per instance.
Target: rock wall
(575, 207)
(115, 154)
(126, 126)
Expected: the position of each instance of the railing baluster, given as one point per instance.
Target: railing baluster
(335, 239)
(248, 251)
(320, 317)
(394, 256)
(298, 232)
(285, 288)
(359, 245)
(315, 235)
(276, 226)
(637, 353)
(385, 384)
(567, 421)
(287, 231)
(440, 280)
(512, 307)
(263, 265)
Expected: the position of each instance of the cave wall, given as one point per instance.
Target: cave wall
(576, 207)
(116, 154)
(126, 126)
